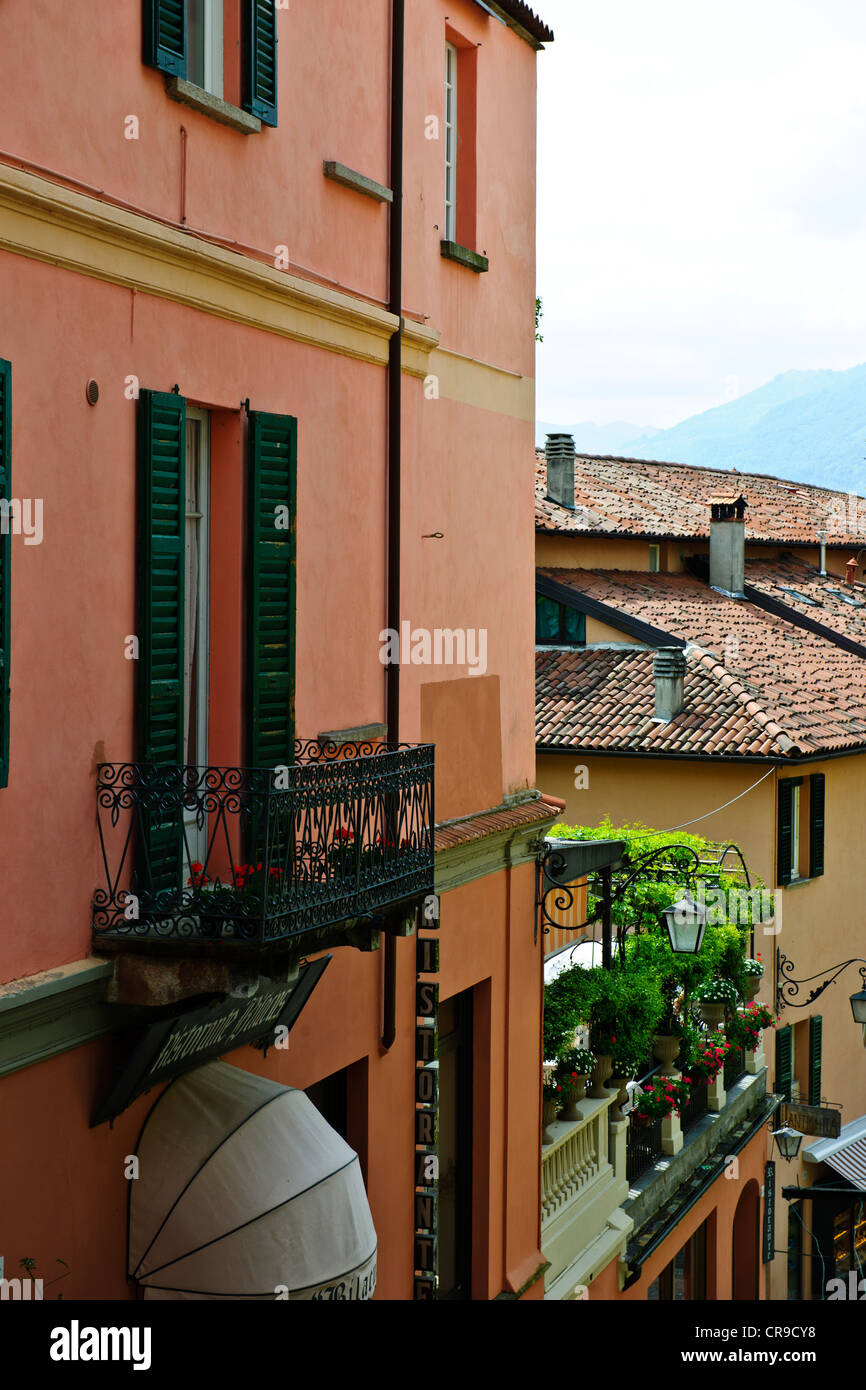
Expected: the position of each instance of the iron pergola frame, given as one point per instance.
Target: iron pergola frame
(613, 885)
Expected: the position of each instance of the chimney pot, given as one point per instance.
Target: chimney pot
(728, 543)
(559, 452)
(850, 570)
(669, 669)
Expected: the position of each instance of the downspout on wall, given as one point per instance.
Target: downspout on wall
(394, 465)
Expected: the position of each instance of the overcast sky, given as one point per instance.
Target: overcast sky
(702, 201)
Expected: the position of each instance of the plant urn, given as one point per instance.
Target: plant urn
(753, 986)
(642, 1121)
(621, 1084)
(666, 1048)
(575, 1092)
(548, 1115)
(600, 1072)
(712, 1012)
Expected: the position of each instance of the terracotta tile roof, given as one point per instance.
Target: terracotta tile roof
(829, 600)
(755, 684)
(637, 497)
(462, 832)
(517, 10)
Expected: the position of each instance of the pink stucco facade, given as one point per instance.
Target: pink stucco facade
(102, 280)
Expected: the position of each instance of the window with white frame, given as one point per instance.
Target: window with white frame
(450, 142)
(204, 19)
(795, 832)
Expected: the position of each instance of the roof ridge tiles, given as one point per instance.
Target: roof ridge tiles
(745, 697)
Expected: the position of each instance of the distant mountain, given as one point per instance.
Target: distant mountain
(596, 439)
(807, 426)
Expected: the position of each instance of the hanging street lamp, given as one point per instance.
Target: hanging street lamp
(686, 922)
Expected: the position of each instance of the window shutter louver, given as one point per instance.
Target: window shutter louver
(271, 590)
(816, 1028)
(816, 824)
(162, 540)
(165, 35)
(784, 1062)
(785, 843)
(260, 60)
(5, 561)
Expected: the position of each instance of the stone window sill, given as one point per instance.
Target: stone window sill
(341, 173)
(473, 260)
(190, 95)
(797, 882)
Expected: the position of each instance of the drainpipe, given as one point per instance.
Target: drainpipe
(395, 386)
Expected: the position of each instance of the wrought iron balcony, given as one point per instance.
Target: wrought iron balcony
(263, 855)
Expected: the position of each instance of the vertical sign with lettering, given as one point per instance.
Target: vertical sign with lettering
(769, 1211)
(426, 1100)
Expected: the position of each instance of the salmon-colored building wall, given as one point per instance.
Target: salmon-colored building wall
(718, 1207)
(74, 596)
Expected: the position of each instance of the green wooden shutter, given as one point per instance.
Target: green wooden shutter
(785, 830)
(165, 35)
(816, 824)
(5, 556)
(273, 448)
(260, 60)
(816, 1027)
(162, 541)
(784, 1062)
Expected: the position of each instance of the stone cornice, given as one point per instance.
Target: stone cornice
(47, 221)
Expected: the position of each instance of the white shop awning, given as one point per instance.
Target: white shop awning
(246, 1192)
(846, 1155)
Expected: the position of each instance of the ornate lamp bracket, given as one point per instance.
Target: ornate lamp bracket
(788, 988)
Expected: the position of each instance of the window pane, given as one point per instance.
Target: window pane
(573, 626)
(546, 620)
(450, 142)
(195, 40)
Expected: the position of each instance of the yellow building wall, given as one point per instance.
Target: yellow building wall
(818, 923)
(601, 632)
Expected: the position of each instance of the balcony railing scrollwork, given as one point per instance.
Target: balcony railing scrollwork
(261, 855)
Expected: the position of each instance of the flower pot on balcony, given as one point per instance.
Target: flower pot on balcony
(752, 987)
(642, 1121)
(712, 1012)
(575, 1092)
(600, 1072)
(666, 1047)
(548, 1115)
(621, 1085)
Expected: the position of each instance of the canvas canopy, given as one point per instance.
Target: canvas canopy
(246, 1192)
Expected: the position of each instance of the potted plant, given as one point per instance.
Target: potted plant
(626, 1063)
(659, 1098)
(551, 1100)
(238, 904)
(753, 969)
(744, 1028)
(574, 1068)
(715, 999)
(709, 1058)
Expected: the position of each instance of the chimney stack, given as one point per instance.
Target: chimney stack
(851, 570)
(559, 451)
(669, 668)
(728, 544)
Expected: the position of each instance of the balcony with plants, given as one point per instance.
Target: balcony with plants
(245, 859)
(653, 1061)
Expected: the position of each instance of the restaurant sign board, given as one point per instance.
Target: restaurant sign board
(185, 1040)
(821, 1120)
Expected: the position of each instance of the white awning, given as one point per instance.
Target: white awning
(245, 1192)
(846, 1155)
